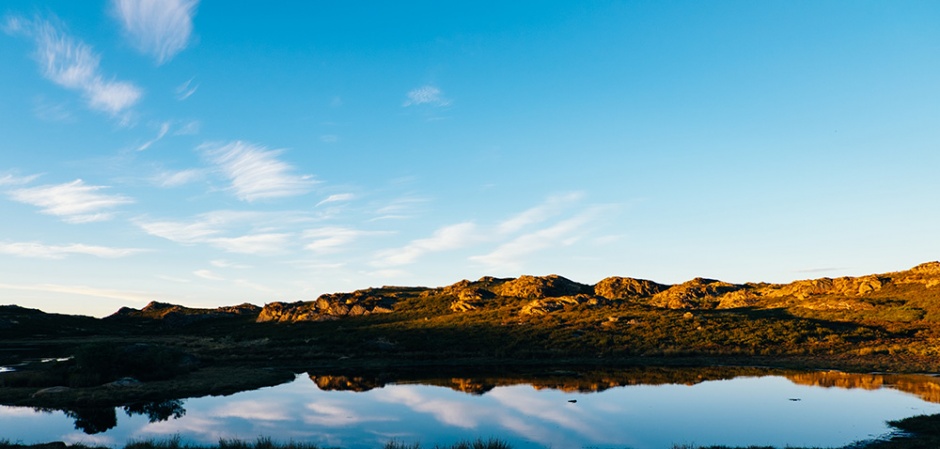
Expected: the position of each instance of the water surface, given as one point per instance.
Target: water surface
(804, 409)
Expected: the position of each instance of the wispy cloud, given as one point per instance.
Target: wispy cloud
(244, 283)
(186, 233)
(398, 208)
(540, 213)
(509, 255)
(333, 239)
(389, 273)
(74, 202)
(329, 138)
(177, 178)
(172, 278)
(269, 243)
(208, 274)
(10, 179)
(164, 128)
(222, 263)
(211, 228)
(186, 90)
(39, 250)
(160, 28)
(337, 198)
(83, 290)
(444, 239)
(72, 64)
(428, 94)
(256, 173)
(52, 112)
(189, 128)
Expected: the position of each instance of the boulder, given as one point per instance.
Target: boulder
(329, 307)
(463, 306)
(616, 287)
(281, 312)
(542, 287)
(745, 297)
(699, 293)
(124, 382)
(52, 390)
(929, 268)
(845, 286)
(548, 305)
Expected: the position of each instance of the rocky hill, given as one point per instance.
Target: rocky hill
(179, 315)
(919, 287)
(16, 321)
(538, 295)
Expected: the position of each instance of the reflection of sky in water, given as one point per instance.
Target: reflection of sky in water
(739, 412)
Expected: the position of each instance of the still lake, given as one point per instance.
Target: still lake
(795, 409)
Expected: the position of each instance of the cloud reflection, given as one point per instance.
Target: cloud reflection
(453, 412)
(208, 428)
(252, 411)
(334, 414)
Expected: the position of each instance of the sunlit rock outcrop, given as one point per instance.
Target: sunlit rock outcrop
(616, 287)
(330, 306)
(346, 383)
(541, 287)
(548, 305)
(699, 293)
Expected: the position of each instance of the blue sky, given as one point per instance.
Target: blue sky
(213, 153)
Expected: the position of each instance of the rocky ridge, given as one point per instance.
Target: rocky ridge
(540, 295)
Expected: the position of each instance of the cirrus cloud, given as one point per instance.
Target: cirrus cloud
(42, 251)
(160, 28)
(10, 179)
(73, 65)
(444, 239)
(74, 202)
(337, 198)
(333, 238)
(430, 95)
(510, 255)
(256, 173)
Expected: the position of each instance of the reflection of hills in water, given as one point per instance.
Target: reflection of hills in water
(563, 380)
(924, 386)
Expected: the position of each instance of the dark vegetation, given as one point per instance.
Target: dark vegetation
(141, 361)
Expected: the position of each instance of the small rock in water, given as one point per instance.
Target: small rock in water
(572, 401)
(123, 382)
(51, 390)
(795, 399)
